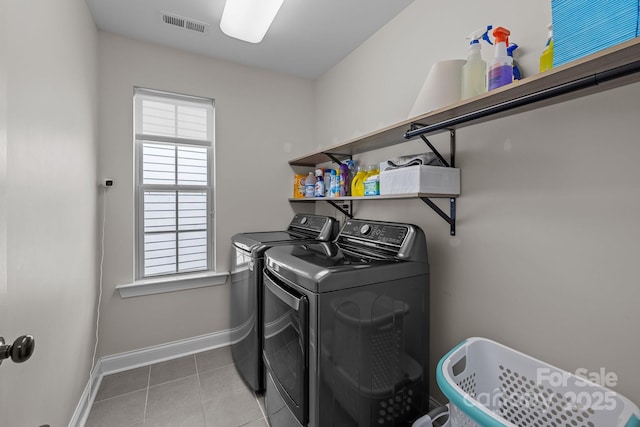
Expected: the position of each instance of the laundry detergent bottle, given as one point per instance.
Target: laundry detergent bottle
(501, 67)
(319, 191)
(334, 189)
(474, 71)
(357, 184)
(372, 181)
(310, 185)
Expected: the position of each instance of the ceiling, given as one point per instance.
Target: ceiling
(306, 38)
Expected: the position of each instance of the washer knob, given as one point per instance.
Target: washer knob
(303, 220)
(365, 229)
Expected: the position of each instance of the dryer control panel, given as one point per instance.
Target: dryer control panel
(376, 232)
(318, 227)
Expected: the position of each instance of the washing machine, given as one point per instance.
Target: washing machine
(247, 261)
(346, 328)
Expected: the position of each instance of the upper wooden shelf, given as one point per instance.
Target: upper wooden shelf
(613, 67)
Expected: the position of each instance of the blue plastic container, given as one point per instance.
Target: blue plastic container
(582, 27)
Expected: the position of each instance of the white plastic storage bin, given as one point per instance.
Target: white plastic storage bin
(420, 179)
(491, 385)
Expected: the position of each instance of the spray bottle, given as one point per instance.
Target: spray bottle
(546, 59)
(517, 75)
(474, 72)
(344, 178)
(501, 67)
(351, 165)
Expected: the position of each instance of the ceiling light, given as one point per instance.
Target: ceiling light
(248, 20)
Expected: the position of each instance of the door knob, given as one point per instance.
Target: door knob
(20, 351)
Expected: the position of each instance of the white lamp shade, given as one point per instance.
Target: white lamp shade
(442, 87)
(248, 20)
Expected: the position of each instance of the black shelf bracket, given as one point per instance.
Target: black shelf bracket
(451, 218)
(334, 159)
(341, 209)
(452, 145)
(435, 151)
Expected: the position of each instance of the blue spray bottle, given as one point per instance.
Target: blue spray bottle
(516, 68)
(501, 67)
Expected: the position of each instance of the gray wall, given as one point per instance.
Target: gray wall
(262, 119)
(48, 196)
(546, 254)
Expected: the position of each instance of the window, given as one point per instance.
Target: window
(174, 196)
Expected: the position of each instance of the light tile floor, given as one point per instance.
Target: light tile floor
(202, 390)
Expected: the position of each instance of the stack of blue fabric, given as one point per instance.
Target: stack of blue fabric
(582, 27)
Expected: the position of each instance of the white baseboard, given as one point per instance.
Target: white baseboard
(146, 356)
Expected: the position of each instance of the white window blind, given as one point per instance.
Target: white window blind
(174, 150)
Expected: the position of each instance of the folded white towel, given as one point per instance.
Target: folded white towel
(424, 159)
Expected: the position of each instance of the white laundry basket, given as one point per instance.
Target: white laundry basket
(491, 385)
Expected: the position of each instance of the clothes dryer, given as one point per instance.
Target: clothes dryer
(247, 262)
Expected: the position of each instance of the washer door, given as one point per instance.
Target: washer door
(286, 338)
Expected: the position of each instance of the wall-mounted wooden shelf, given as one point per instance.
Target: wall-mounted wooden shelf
(383, 197)
(336, 202)
(601, 71)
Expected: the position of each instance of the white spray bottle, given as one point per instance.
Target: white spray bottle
(474, 72)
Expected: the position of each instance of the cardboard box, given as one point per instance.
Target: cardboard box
(420, 179)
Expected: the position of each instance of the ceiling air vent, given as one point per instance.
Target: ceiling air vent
(195, 26)
(186, 23)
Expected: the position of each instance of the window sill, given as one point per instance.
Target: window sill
(171, 284)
